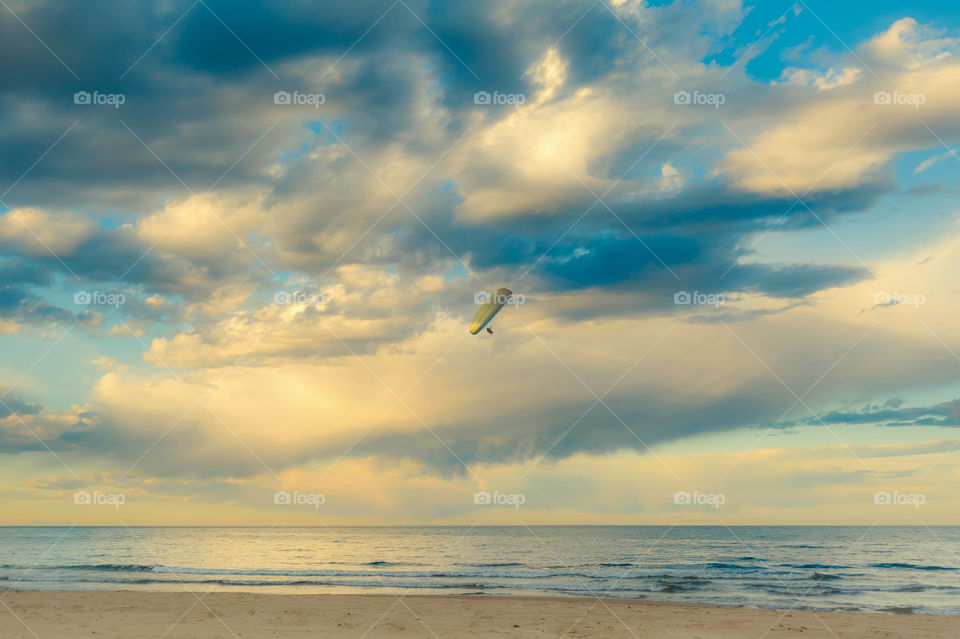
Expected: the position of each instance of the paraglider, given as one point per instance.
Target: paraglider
(490, 308)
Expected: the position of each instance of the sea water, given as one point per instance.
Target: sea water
(893, 569)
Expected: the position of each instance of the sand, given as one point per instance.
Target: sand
(202, 615)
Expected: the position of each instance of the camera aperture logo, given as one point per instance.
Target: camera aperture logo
(486, 98)
(885, 298)
(698, 98)
(496, 498)
(513, 299)
(901, 99)
(97, 498)
(84, 98)
(296, 498)
(299, 298)
(297, 98)
(696, 498)
(697, 298)
(99, 298)
(896, 498)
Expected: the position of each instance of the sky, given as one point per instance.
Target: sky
(241, 243)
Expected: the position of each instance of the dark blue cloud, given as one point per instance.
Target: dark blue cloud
(795, 280)
(24, 307)
(200, 97)
(634, 422)
(11, 405)
(895, 414)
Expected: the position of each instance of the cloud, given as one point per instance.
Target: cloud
(926, 164)
(939, 414)
(596, 196)
(815, 148)
(28, 427)
(825, 484)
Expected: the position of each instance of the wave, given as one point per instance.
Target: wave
(731, 572)
(262, 583)
(607, 589)
(847, 589)
(903, 587)
(492, 572)
(900, 610)
(819, 576)
(673, 588)
(903, 566)
(729, 566)
(104, 567)
(267, 572)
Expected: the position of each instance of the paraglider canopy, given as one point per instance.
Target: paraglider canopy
(490, 308)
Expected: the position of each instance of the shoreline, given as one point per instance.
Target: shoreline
(492, 594)
(131, 613)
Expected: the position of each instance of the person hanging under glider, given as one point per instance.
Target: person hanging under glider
(490, 308)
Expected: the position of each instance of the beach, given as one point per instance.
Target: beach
(569, 582)
(126, 614)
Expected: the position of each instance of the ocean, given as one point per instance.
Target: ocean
(911, 569)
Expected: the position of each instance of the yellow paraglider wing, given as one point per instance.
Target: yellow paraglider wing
(490, 308)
